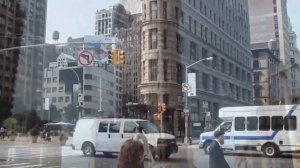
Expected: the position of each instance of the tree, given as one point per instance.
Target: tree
(55, 115)
(32, 120)
(5, 110)
(11, 125)
(71, 113)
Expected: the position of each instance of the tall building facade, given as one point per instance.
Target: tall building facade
(12, 23)
(269, 21)
(31, 62)
(178, 33)
(109, 21)
(130, 40)
(295, 66)
(132, 6)
(266, 65)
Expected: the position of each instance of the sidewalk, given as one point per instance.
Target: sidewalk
(179, 141)
(28, 140)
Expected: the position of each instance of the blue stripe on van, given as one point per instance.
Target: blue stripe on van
(255, 137)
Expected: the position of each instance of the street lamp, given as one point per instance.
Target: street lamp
(186, 110)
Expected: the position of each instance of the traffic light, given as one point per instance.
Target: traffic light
(112, 57)
(163, 107)
(109, 61)
(121, 57)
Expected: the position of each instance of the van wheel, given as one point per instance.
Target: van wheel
(88, 149)
(271, 150)
(207, 147)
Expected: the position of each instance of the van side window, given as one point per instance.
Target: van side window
(277, 123)
(103, 127)
(264, 123)
(226, 127)
(239, 123)
(114, 127)
(252, 123)
(290, 123)
(129, 127)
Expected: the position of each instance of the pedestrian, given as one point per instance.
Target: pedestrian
(216, 155)
(139, 136)
(131, 155)
(2, 132)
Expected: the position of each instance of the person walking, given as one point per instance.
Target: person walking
(139, 136)
(216, 155)
(131, 155)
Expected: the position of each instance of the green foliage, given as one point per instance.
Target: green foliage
(71, 113)
(11, 125)
(34, 131)
(55, 114)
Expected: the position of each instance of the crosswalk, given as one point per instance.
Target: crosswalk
(33, 157)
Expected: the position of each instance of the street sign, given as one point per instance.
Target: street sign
(185, 110)
(205, 104)
(86, 58)
(186, 87)
(192, 83)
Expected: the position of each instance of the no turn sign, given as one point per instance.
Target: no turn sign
(186, 87)
(86, 58)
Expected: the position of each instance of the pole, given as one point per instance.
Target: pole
(186, 110)
(161, 122)
(186, 113)
(100, 96)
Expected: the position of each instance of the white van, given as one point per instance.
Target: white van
(270, 129)
(108, 135)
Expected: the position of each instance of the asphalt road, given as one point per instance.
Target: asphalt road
(20, 155)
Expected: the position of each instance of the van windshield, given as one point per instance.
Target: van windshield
(148, 127)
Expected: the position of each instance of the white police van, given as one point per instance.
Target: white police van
(270, 129)
(108, 135)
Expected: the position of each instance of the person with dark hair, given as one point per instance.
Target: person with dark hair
(139, 136)
(216, 155)
(131, 155)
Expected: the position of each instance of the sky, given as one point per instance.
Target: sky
(75, 18)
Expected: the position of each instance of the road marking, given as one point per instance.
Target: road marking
(15, 164)
(38, 165)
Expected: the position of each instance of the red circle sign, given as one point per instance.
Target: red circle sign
(86, 58)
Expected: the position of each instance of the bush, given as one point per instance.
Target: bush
(34, 132)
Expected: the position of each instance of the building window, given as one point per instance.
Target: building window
(48, 90)
(153, 39)
(274, 2)
(193, 51)
(88, 76)
(152, 70)
(182, 17)
(144, 42)
(176, 13)
(179, 43)
(144, 11)
(215, 85)
(165, 35)
(54, 79)
(67, 99)
(53, 99)
(257, 92)
(87, 98)
(255, 64)
(190, 23)
(165, 70)
(205, 34)
(153, 9)
(275, 9)
(166, 99)
(223, 65)
(179, 73)
(195, 26)
(60, 99)
(205, 81)
(54, 89)
(165, 9)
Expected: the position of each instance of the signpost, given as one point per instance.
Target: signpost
(186, 87)
(192, 83)
(85, 58)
